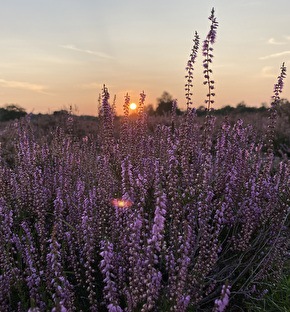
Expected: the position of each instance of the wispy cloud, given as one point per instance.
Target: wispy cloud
(268, 72)
(274, 55)
(96, 53)
(91, 86)
(274, 42)
(22, 85)
(251, 3)
(224, 65)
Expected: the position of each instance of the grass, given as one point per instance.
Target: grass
(278, 297)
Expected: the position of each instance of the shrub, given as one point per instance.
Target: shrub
(10, 112)
(181, 218)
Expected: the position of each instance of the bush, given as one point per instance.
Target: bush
(11, 111)
(181, 218)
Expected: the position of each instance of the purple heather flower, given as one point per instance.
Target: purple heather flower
(222, 303)
(107, 269)
(278, 87)
(189, 70)
(214, 24)
(207, 53)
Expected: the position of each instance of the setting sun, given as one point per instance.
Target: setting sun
(133, 106)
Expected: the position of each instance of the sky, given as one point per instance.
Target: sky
(58, 53)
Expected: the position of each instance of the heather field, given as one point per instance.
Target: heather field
(139, 213)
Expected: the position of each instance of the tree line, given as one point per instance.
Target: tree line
(11, 111)
(163, 108)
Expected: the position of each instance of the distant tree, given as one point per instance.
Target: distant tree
(284, 108)
(201, 110)
(263, 108)
(243, 108)
(62, 112)
(11, 111)
(164, 104)
(226, 110)
(149, 110)
(285, 103)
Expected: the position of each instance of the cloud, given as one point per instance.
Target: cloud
(96, 53)
(277, 42)
(90, 86)
(251, 3)
(268, 72)
(224, 65)
(22, 85)
(270, 56)
(274, 42)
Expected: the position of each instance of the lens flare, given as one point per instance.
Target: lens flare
(121, 203)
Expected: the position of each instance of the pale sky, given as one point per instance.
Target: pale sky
(57, 53)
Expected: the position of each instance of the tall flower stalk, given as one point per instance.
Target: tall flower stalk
(189, 70)
(278, 87)
(207, 51)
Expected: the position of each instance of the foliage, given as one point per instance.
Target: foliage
(62, 112)
(11, 111)
(165, 105)
(240, 109)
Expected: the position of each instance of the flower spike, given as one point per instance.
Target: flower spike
(207, 53)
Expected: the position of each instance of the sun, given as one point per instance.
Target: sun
(133, 106)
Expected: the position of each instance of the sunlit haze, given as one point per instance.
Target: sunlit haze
(59, 53)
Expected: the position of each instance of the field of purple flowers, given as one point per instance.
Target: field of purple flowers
(176, 218)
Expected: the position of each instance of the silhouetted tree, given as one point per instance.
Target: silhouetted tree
(62, 112)
(11, 111)
(243, 108)
(226, 110)
(149, 110)
(164, 104)
(201, 110)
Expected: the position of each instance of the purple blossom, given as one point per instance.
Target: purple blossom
(222, 303)
(107, 269)
(189, 70)
(207, 53)
(214, 24)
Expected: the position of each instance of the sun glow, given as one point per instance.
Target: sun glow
(121, 203)
(133, 106)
